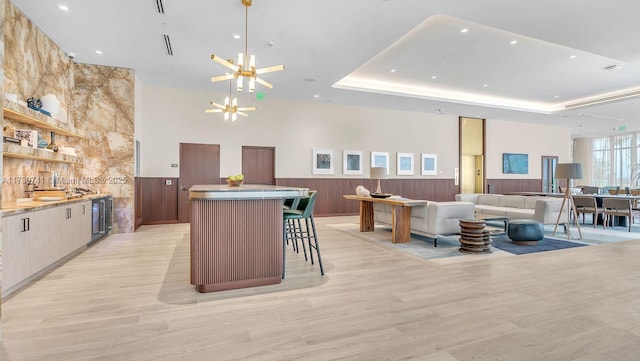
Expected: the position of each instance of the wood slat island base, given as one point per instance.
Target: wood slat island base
(237, 236)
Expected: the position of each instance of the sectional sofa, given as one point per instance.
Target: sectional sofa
(541, 209)
(431, 219)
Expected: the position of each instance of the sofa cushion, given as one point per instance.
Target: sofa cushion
(521, 214)
(530, 202)
(512, 201)
(490, 199)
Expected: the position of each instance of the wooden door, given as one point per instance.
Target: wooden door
(199, 164)
(258, 165)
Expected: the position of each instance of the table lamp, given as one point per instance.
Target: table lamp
(378, 173)
(568, 171)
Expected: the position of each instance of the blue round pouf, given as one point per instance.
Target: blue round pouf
(525, 231)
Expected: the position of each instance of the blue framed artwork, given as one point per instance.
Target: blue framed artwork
(514, 163)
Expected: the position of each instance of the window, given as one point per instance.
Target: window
(613, 158)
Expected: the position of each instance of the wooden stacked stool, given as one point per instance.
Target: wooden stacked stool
(474, 238)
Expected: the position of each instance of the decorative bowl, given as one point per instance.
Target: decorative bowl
(234, 183)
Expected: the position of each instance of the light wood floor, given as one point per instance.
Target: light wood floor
(128, 298)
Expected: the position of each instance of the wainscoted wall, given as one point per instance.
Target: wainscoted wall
(159, 200)
(104, 100)
(330, 191)
(502, 186)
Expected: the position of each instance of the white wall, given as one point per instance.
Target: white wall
(138, 114)
(532, 139)
(172, 116)
(294, 128)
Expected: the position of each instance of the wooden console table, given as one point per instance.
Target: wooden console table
(400, 215)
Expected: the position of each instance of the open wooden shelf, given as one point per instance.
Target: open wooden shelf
(16, 151)
(31, 117)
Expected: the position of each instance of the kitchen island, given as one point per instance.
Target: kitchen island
(237, 235)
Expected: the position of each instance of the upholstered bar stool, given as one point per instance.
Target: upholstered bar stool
(296, 230)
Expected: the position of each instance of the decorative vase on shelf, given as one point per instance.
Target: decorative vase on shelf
(53, 145)
(51, 104)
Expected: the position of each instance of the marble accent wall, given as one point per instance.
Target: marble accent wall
(103, 104)
(33, 66)
(2, 28)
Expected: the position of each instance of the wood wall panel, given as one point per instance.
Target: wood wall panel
(159, 201)
(330, 191)
(502, 186)
(138, 203)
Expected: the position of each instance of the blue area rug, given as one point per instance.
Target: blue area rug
(546, 244)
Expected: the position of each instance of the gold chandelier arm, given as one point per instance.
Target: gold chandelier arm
(260, 81)
(270, 69)
(224, 63)
(213, 111)
(243, 114)
(247, 108)
(217, 105)
(222, 77)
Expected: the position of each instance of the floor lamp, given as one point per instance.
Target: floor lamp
(378, 173)
(568, 171)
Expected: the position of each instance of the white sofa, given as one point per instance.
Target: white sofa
(541, 209)
(431, 219)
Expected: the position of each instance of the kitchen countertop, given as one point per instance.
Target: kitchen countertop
(247, 191)
(12, 208)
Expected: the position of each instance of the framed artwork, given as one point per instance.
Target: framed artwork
(515, 163)
(405, 164)
(380, 159)
(30, 136)
(429, 164)
(351, 162)
(322, 161)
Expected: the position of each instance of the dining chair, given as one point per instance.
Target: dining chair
(295, 230)
(590, 190)
(587, 204)
(618, 207)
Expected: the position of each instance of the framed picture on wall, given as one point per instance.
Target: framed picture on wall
(405, 164)
(322, 161)
(380, 159)
(515, 163)
(429, 164)
(352, 162)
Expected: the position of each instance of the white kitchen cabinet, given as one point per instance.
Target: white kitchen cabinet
(33, 241)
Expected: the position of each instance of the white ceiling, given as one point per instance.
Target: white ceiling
(354, 44)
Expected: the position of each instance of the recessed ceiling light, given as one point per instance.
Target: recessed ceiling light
(99, 52)
(556, 96)
(513, 42)
(236, 36)
(464, 30)
(316, 96)
(63, 7)
(434, 77)
(572, 57)
(485, 85)
(393, 70)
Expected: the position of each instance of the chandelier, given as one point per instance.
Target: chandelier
(230, 107)
(246, 65)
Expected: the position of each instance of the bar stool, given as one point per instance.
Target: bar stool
(294, 230)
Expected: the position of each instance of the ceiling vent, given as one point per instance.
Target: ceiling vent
(605, 99)
(159, 6)
(167, 44)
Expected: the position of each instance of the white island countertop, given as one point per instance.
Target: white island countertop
(246, 191)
